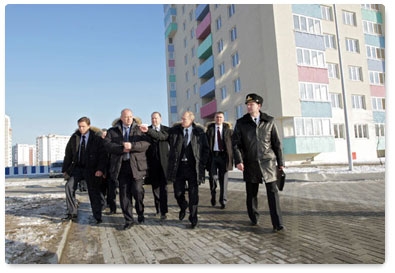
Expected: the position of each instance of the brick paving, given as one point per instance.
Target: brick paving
(340, 222)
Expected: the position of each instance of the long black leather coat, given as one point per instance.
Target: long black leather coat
(258, 148)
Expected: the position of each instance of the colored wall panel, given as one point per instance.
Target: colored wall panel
(373, 40)
(376, 65)
(207, 89)
(204, 28)
(316, 109)
(379, 116)
(372, 16)
(308, 145)
(310, 41)
(201, 11)
(307, 10)
(208, 109)
(377, 91)
(313, 74)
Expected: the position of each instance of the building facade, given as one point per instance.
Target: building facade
(319, 68)
(24, 155)
(7, 142)
(50, 148)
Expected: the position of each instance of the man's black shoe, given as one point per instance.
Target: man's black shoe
(279, 229)
(128, 226)
(213, 202)
(254, 221)
(193, 225)
(222, 206)
(99, 221)
(113, 212)
(69, 217)
(181, 215)
(141, 219)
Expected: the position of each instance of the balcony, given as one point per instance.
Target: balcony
(207, 90)
(205, 49)
(208, 109)
(204, 28)
(171, 30)
(206, 69)
(201, 11)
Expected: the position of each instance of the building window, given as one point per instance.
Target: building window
(326, 13)
(336, 100)
(307, 24)
(330, 41)
(172, 70)
(193, 52)
(378, 104)
(309, 57)
(221, 69)
(233, 34)
(194, 70)
(172, 86)
(237, 85)
(235, 59)
(220, 45)
(349, 18)
(188, 94)
(195, 89)
(197, 108)
(358, 102)
(192, 32)
(312, 127)
(338, 130)
(191, 15)
(224, 93)
(361, 131)
(218, 23)
(184, 25)
(333, 70)
(380, 129)
(186, 59)
(352, 45)
(185, 43)
(231, 10)
(372, 28)
(355, 73)
(187, 76)
(239, 111)
(374, 7)
(376, 53)
(313, 92)
(376, 78)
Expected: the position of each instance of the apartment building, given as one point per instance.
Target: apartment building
(7, 141)
(50, 148)
(319, 68)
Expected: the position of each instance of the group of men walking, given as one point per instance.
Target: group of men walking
(133, 154)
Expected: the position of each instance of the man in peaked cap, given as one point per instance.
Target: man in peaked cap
(259, 158)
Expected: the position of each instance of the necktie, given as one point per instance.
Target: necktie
(126, 156)
(82, 151)
(126, 134)
(185, 143)
(219, 140)
(256, 121)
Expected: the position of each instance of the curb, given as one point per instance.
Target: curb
(59, 252)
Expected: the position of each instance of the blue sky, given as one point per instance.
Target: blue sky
(68, 61)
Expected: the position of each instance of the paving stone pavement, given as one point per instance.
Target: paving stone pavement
(338, 222)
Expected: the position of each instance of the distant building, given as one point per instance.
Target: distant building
(289, 54)
(50, 148)
(24, 155)
(7, 142)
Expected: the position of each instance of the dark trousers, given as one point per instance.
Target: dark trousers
(112, 194)
(272, 198)
(96, 197)
(187, 173)
(218, 168)
(159, 190)
(128, 188)
(70, 189)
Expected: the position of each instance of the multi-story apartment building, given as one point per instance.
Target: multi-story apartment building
(50, 148)
(7, 142)
(24, 155)
(319, 68)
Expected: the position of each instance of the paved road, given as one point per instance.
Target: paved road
(333, 222)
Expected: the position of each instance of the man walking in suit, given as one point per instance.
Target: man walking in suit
(127, 146)
(187, 162)
(84, 159)
(157, 156)
(219, 135)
